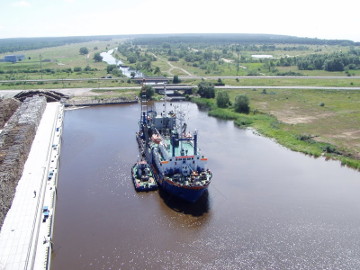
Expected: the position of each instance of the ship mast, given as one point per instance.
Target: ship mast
(165, 98)
(143, 101)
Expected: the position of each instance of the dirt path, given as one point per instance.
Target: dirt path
(172, 67)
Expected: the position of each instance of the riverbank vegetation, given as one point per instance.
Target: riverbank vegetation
(315, 122)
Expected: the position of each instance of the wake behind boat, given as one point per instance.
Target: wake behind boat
(179, 167)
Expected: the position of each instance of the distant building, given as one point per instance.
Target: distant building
(14, 58)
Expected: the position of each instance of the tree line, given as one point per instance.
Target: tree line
(21, 44)
(236, 38)
(338, 61)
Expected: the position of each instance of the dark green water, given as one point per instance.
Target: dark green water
(267, 207)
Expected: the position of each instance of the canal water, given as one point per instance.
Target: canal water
(111, 60)
(267, 207)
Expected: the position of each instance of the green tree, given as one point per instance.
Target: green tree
(97, 57)
(116, 72)
(84, 50)
(222, 99)
(206, 90)
(148, 90)
(241, 104)
(110, 68)
(157, 70)
(335, 64)
(176, 79)
(147, 65)
(131, 59)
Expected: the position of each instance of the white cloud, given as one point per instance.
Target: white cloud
(21, 4)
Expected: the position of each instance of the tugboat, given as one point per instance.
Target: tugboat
(179, 167)
(143, 177)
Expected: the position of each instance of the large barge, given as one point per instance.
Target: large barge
(179, 167)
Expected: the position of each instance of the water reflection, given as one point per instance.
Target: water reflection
(197, 209)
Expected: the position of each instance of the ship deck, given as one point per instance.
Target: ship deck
(186, 146)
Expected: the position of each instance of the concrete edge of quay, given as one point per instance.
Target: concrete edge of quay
(43, 245)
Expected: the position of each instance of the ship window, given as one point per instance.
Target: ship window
(184, 161)
(170, 159)
(193, 161)
(175, 163)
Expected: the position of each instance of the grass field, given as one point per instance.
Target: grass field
(345, 82)
(58, 59)
(315, 122)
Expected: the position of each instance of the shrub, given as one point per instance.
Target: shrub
(329, 149)
(97, 57)
(222, 99)
(149, 92)
(206, 90)
(243, 121)
(176, 79)
(110, 68)
(84, 50)
(219, 82)
(241, 104)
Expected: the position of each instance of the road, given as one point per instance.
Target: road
(88, 92)
(191, 77)
(268, 77)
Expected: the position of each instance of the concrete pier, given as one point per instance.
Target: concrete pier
(25, 237)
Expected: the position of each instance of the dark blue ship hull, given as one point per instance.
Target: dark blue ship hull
(186, 193)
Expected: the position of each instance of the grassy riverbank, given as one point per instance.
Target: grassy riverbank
(315, 122)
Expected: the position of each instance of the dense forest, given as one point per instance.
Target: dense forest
(236, 38)
(21, 44)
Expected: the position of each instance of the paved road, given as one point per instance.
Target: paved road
(269, 77)
(287, 87)
(87, 91)
(192, 77)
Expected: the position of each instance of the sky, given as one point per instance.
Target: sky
(305, 18)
